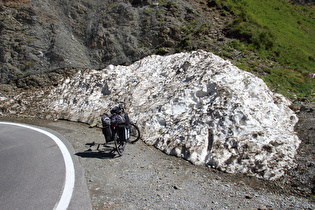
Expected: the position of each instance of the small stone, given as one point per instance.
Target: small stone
(176, 187)
(249, 196)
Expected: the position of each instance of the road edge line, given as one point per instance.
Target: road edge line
(69, 165)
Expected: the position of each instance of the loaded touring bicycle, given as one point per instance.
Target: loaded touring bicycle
(117, 127)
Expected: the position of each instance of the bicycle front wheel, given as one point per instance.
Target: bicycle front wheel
(134, 133)
(119, 144)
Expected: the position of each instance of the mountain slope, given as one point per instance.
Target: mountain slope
(39, 36)
(281, 32)
(273, 40)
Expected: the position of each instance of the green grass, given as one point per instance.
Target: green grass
(290, 83)
(280, 31)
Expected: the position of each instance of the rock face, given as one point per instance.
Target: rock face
(193, 105)
(43, 35)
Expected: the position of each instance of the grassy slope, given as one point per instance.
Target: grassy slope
(280, 31)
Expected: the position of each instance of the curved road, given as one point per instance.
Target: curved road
(37, 171)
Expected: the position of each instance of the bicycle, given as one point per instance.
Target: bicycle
(120, 129)
(123, 134)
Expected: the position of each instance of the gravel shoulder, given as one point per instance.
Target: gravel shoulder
(146, 178)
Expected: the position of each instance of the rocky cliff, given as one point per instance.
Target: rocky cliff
(40, 36)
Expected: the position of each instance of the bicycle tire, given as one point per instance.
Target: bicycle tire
(134, 133)
(119, 144)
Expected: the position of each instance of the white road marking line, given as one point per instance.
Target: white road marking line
(70, 172)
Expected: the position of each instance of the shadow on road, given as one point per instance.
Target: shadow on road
(102, 153)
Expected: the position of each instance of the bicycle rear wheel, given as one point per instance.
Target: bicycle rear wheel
(119, 144)
(134, 133)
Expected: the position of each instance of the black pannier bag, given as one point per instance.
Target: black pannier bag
(123, 132)
(122, 121)
(119, 116)
(107, 131)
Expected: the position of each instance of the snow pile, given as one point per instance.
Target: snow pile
(192, 105)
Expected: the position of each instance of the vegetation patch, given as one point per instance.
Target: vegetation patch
(280, 31)
(290, 83)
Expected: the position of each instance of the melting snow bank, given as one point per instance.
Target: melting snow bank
(193, 105)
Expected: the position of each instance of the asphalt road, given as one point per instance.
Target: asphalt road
(37, 170)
